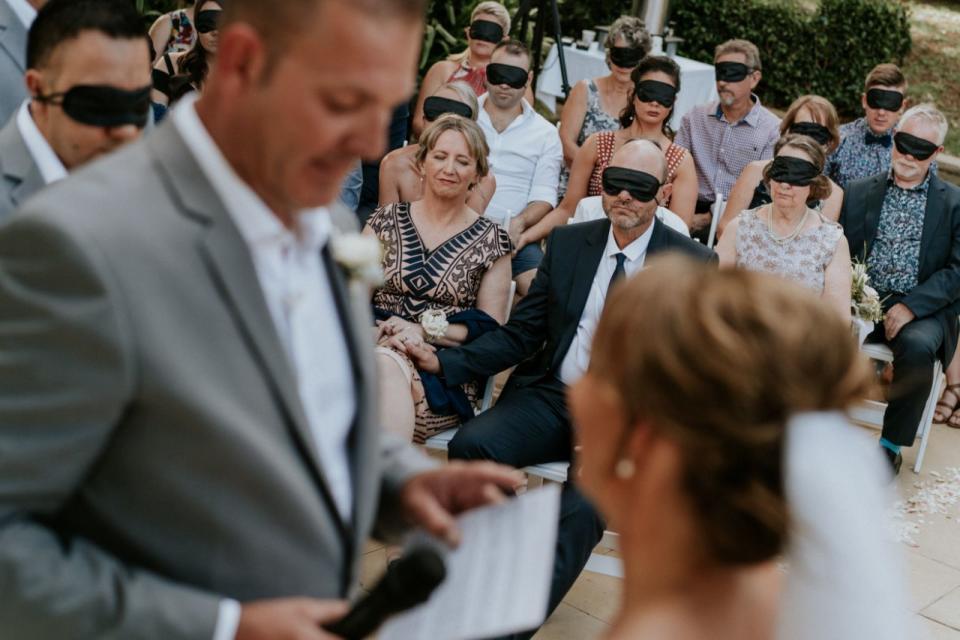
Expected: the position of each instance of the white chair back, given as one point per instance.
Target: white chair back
(591, 208)
(717, 211)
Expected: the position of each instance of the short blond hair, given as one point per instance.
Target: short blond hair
(717, 361)
(494, 10)
(631, 29)
(744, 47)
(471, 132)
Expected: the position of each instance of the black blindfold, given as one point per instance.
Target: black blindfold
(912, 145)
(641, 186)
(207, 21)
(883, 99)
(626, 57)
(731, 71)
(434, 107)
(507, 74)
(793, 171)
(103, 106)
(659, 92)
(486, 31)
(813, 130)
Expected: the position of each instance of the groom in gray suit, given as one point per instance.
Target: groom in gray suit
(187, 414)
(15, 19)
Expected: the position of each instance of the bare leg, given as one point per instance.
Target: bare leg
(396, 401)
(951, 394)
(524, 280)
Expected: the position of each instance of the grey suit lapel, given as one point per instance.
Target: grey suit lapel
(13, 36)
(18, 164)
(231, 266)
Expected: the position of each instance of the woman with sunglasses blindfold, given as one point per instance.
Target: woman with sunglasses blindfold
(401, 179)
(811, 116)
(489, 25)
(595, 105)
(656, 84)
(789, 238)
(176, 75)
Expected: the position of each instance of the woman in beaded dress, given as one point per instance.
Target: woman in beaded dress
(787, 237)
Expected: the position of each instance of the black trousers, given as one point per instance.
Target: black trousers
(530, 425)
(915, 349)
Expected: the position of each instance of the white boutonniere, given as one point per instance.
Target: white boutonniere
(361, 256)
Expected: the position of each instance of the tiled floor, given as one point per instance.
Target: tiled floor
(933, 567)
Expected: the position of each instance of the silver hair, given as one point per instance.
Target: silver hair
(929, 113)
(633, 31)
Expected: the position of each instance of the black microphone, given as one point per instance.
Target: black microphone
(408, 582)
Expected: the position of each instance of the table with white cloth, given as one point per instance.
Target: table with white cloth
(697, 82)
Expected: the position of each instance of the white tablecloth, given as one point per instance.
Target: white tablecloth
(697, 82)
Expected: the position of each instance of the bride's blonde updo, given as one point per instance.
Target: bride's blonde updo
(717, 361)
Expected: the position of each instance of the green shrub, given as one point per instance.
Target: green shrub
(827, 50)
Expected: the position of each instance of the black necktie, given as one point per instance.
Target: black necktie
(884, 140)
(619, 272)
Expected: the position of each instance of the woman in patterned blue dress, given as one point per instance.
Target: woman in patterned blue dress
(447, 280)
(595, 105)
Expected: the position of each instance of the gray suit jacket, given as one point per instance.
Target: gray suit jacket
(13, 62)
(156, 456)
(20, 177)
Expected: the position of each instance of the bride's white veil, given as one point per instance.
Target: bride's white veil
(845, 578)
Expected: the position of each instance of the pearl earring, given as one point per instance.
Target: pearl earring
(625, 469)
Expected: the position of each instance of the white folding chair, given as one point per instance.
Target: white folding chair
(870, 412)
(717, 211)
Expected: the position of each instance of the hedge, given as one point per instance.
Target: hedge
(827, 51)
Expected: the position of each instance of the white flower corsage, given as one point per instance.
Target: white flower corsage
(434, 324)
(361, 257)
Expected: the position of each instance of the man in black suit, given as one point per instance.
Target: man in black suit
(549, 335)
(906, 225)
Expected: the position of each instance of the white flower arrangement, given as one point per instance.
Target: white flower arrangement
(865, 303)
(434, 323)
(361, 256)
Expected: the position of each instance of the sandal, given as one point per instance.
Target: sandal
(949, 411)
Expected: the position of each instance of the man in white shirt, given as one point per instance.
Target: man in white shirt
(188, 416)
(525, 154)
(16, 16)
(102, 50)
(549, 335)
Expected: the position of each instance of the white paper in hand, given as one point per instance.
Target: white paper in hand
(498, 580)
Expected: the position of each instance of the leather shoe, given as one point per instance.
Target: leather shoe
(895, 459)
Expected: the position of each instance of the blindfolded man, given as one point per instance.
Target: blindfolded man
(865, 143)
(725, 136)
(525, 154)
(549, 336)
(906, 223)
(88, 78)
(188, 420)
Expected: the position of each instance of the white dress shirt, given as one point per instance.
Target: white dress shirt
(525, 159)
(24, 11)
(300, 297)
(575, 363)
(50, 166)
